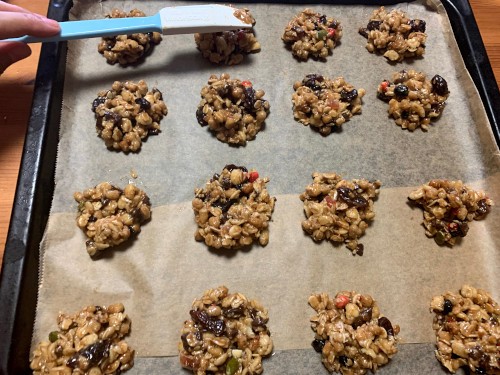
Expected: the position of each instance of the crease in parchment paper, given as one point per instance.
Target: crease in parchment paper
(159, 274)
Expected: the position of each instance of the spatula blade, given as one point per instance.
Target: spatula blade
(200, 19)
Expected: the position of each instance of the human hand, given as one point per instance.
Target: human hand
(16, 21)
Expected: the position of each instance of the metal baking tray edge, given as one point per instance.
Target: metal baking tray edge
(35, 185)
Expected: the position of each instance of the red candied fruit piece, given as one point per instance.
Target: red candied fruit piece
(341, 301)
(384, 85)
(331, 32)
(329, 201)
(246, 84)
(252, 176)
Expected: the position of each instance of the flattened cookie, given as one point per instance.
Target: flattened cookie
(325, 104)
(127, 114)
(109, 215)
(312, 34)
(88, 342)
(229, 47)
(339, 210)
(394, 35)
(351, 334)
(128, 49)
(232, 109)
(414, 100)
(227, 334)
(448, 208)
(467, 330)
(233, 209)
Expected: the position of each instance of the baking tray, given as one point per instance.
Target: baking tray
(19, 277)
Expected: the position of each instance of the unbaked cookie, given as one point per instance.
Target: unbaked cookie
(233, 209)
(128, 49)
(227, 334)
(414, 101)
(109, 215)
(395, 35)
(339, 210)
(467, 330)
(312, 34)
(351, 334)
(448, 207)
(324, 103)
(229, 47)
(88, 342)
(127, 114)
(232, 109)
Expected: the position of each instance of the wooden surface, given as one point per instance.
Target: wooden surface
(16, 90)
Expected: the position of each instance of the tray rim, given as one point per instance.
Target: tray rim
(35, 184)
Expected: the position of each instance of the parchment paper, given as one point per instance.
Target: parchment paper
(164, 269)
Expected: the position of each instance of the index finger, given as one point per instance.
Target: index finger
(14, 24)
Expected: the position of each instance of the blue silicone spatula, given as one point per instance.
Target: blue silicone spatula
(188, 19)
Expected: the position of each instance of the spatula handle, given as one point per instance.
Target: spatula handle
(98, 28)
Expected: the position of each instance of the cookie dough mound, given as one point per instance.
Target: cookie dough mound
(232, 109)
(351, 334)
(339, 210)
(467, 330)
(414, 101)
(233, 209)
(226, 335)
(229, 47)
(109, 215)
(394, 35)
(127, 49)
(448, 207)
(311, 34)
(127, 114)
(88, 342)
(325, 104)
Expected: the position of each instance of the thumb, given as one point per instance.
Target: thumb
(11, 52)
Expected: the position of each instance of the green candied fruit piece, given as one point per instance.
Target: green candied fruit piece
(440, 238)
(232, 366)
(53, 336)
(322, 34)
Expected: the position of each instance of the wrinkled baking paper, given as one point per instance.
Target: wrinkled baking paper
(159, 274)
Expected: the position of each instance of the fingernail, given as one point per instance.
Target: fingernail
(52, 22)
